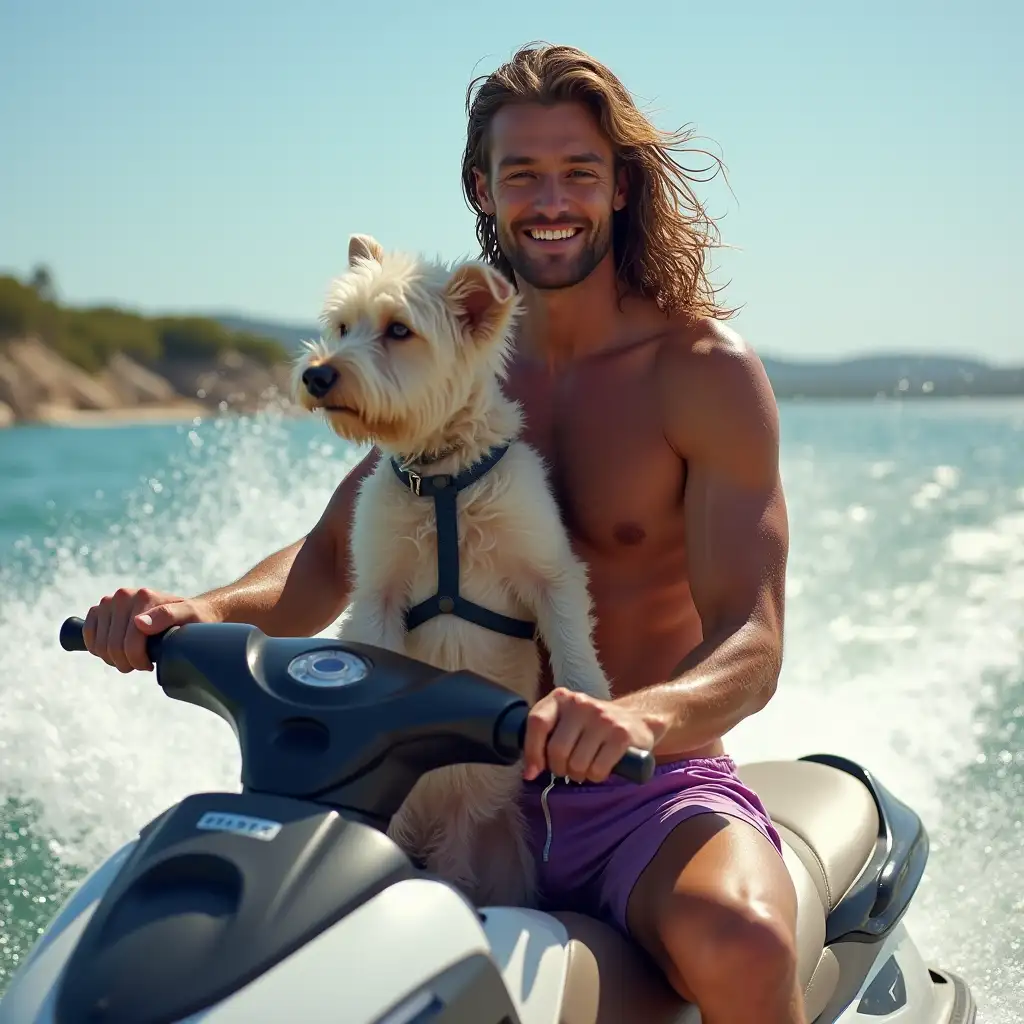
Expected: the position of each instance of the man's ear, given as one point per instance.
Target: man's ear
(364, 247)
(621, 196)
(482, 189)
(481, 297)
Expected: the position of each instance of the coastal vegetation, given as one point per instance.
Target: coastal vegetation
(83, 365)
(89, 337)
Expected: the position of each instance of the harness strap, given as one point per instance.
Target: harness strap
(444, 490)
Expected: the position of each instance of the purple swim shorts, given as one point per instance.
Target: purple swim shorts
(592, 841)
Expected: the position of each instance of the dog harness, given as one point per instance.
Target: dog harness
(444, 490)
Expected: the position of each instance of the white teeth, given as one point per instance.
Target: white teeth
(551, 236)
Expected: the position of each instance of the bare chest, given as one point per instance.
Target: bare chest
(617, 482)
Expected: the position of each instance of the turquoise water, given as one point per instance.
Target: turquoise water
(905, 644)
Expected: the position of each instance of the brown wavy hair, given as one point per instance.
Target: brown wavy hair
(662, 238)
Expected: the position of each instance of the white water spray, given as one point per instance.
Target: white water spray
(903, 644)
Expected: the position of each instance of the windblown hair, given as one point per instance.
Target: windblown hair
(662, 238)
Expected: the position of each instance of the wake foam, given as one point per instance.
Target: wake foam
(904, 622)
(98, 753)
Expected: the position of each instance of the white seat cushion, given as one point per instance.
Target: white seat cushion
(825, 814)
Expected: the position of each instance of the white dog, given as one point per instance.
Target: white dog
(412, 359)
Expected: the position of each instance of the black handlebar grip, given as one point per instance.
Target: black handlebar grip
(635, 765)
(71, 635)
(73, 639)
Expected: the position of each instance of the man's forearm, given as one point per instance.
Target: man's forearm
(290, 593)
(253, 597)
(725, 679)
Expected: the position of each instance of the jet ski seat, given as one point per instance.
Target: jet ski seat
(830, 826)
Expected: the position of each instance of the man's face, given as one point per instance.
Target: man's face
(552, 189)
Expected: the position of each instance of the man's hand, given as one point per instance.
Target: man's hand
(117, 627)
(571, 734)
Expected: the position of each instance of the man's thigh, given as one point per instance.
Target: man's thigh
(715, 883)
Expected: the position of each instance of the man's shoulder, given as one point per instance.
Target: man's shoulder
(708, 352)
(714, 393)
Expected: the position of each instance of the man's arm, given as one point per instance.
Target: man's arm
(722, 420)
(297, 591)
(303, 588)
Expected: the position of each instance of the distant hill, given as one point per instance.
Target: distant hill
(290, 336)
(870, 376)
(896, 376)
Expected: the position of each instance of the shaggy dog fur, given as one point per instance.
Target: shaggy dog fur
(420, 351)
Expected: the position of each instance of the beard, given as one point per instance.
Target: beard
(552, 271)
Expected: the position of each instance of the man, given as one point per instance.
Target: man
(661, 432)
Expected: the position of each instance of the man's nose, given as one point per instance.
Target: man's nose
(551, 199)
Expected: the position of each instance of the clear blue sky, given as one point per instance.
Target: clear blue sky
(215, 155)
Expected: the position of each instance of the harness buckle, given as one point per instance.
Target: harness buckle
(415, 482)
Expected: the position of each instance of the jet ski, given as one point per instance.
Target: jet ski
(287, 900)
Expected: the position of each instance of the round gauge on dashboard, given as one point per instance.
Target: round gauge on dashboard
(328, 667)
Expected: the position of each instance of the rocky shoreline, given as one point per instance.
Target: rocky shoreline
(38, 385)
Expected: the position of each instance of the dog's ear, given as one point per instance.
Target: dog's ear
(364, 247)
(481, 297)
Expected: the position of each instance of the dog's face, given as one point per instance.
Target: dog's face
(404, 343)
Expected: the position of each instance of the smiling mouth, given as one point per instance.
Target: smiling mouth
(552, 234)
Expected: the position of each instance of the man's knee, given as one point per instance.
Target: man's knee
(713, 943)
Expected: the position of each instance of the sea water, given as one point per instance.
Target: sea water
(904, 638)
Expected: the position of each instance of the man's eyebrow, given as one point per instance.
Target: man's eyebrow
(515, 160)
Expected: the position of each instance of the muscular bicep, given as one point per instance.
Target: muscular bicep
(724, 424)
(737, 543)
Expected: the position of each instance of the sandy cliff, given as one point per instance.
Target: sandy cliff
(37, 385)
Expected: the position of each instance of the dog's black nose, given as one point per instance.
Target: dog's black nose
(319, 379)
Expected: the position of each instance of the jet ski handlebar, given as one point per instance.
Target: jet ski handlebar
(335, 721)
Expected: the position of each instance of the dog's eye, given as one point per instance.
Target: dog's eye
(397, 331)
(342, 330)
